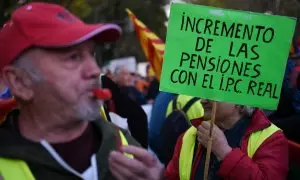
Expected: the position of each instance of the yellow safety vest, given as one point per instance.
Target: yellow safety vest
(194, 112)
(11, 169)
(188, 145)
(102, 113)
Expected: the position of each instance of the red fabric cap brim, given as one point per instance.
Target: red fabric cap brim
(101, 33)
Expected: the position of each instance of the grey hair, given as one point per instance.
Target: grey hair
(248, 110)
(119, 69)
(25, 62)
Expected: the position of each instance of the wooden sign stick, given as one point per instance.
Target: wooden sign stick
(209, 143)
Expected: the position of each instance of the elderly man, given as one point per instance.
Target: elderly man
(47, 61)
(125, 80)
(123, 77)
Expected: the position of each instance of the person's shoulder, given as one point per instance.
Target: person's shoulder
(111, 131)
(129, 138)
(279, 136)
(106, 127)
(277, 139)
(259, 121)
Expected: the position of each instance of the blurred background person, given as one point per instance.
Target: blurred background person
(140, 83)
(157, 119)
(287, 115)
(126, 83)
(153, 85)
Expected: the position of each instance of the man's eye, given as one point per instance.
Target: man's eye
(93, 53)
(75, 57)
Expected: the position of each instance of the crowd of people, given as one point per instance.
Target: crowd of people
(54, 130)
(141, 89)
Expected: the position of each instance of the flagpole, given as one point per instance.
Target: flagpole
(209, 143)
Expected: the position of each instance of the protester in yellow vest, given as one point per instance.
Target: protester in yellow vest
(194, 112)
(47, 61)
(182, 113)
(246, 146)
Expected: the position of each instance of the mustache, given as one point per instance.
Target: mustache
(92, 86)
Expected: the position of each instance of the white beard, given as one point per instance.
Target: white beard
(89, 112)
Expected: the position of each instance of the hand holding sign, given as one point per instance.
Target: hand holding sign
(220, 145)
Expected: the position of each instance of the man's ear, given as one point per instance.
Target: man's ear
(18, 81)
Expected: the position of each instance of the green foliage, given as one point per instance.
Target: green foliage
(79, 7)
(148, 11)
(215, 3)
(279, 7)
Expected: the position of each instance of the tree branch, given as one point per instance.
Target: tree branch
(297, 3)
(68, 4)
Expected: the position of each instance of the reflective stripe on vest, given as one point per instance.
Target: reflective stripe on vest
(188, 145)
(187, 153)
(102, 113)
(15, 169)
(11, 169)
(258, 137)
(194, 112)
(125, 143)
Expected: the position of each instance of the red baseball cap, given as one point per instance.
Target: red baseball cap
(50, 26)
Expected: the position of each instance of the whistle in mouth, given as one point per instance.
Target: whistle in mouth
(102, 94)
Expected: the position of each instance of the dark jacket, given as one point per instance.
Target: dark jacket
(153, 89)
(125, 107)
(42, 165)
(158, 117)
(289, 102)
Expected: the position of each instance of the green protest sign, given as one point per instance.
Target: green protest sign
(226, 55)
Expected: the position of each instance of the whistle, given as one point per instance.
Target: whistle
(102, 94)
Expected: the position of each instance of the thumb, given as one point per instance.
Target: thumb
(141, 154)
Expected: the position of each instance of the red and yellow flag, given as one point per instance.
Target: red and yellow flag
(152, 45)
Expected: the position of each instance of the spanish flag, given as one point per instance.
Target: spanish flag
(152, 45)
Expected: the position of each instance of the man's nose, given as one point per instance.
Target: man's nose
(91, 69)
